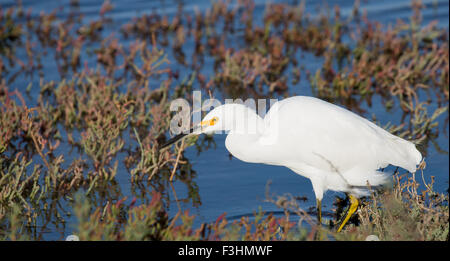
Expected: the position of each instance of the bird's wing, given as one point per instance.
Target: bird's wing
(328, 137)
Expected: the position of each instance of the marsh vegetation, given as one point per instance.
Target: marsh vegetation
(84, 106)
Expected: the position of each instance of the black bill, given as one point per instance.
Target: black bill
(176, 138)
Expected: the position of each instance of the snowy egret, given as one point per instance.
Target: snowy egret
(335, 148)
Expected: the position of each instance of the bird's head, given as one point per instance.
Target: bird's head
(229, 117)
(226, 117)
(216, 120)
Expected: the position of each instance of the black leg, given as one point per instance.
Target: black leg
(319, 211)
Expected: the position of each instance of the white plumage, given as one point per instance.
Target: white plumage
(333, 147)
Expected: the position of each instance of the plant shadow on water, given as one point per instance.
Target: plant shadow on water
(84, 108)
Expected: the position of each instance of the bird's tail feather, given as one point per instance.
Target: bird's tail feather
(407, 155)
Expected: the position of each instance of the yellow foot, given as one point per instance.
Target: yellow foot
(353, 206)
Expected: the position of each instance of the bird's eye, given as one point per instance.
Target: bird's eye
(213, 121)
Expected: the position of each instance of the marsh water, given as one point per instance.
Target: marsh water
(223, 183)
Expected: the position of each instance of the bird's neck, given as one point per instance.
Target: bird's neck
(249, 148)
(244, 147)
(243, 140)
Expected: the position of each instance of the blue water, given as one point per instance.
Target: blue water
(229, 185)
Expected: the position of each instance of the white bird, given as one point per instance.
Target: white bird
(333, 147)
